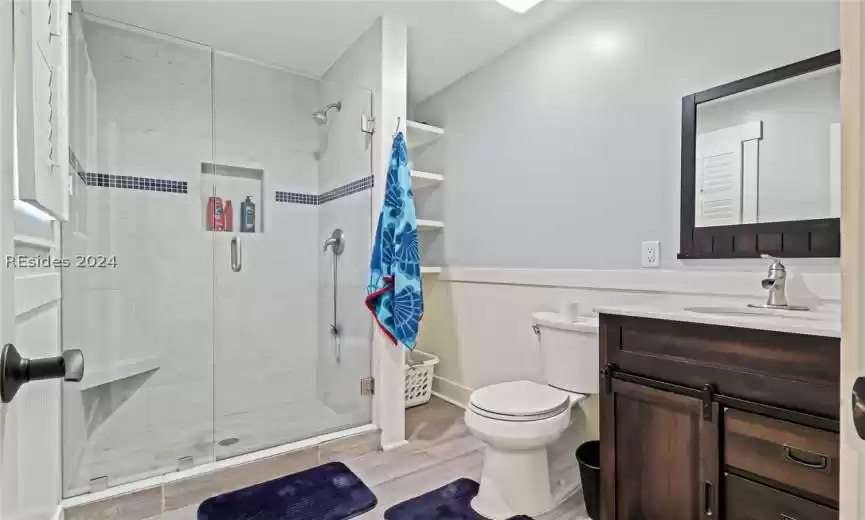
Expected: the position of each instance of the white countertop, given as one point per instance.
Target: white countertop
(813, 323)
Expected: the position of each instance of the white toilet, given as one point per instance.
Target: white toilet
(519, 420)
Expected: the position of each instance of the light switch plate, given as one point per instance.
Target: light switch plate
(651, 254)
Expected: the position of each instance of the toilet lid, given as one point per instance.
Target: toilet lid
(519, 401)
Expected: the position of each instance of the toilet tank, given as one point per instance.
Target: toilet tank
(569, 351)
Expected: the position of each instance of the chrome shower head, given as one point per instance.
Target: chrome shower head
(320, 116)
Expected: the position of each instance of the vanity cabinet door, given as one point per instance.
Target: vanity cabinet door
(659, 456)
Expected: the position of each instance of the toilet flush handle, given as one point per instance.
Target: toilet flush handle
(536, 329)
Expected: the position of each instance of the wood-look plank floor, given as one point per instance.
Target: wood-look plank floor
(440, 450)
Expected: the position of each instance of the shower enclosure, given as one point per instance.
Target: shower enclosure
(206, 187)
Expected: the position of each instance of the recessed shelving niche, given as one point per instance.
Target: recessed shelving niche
(233, 184)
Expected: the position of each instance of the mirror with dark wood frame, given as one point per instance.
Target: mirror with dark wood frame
(761, 165)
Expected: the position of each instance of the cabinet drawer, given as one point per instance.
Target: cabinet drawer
(792, 371)
(746, 500)
(798, 456)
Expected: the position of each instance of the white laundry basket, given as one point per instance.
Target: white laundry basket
(419, 377)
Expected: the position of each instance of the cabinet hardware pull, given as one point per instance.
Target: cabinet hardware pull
(708, 498)
(791, 457)
(607, 375)
(708, 395)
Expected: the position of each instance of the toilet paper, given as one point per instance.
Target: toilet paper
(570, 310)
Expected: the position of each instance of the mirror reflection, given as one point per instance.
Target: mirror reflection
(770, 154)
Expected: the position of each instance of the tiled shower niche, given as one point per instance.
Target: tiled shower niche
(225, 191)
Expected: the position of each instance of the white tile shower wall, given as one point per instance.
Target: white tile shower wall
(346, 156)
(265, 333)
(263, 119)
(152, 107)
(579, 127)
(380, 58)
(344, 151)
(339, 380)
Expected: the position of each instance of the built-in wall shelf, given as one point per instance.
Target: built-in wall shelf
(430, 224)
(425, 153)
(421, 134)
(116, 372)
(228, 170)
(420, 180)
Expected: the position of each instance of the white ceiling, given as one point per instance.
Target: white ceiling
(447, 39)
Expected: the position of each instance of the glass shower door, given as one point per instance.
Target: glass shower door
(345, 204)
(140, 126)
(212, 182)
(270, 159)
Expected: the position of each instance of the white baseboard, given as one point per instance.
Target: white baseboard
(393, 445)
(451, 391)
(449, 400)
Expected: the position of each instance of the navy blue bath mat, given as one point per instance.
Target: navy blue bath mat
(327, 492)
(451, 502)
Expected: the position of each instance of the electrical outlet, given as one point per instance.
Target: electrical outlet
(651, 254)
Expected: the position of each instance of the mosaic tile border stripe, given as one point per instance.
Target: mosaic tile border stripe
(297, 198)
(127, 182)
(328, 196)
(346, 190)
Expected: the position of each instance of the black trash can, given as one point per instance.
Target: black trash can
(589, 459)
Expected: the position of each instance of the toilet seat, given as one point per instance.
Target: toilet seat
(519, 401)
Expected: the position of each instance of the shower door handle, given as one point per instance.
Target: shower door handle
(236, 254)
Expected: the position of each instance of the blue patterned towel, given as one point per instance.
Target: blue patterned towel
(395, 293)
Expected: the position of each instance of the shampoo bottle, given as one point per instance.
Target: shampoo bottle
(215, 220)
(247, 216)
(229, 216)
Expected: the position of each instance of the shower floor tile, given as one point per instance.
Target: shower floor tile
(268, 427)
(253, 430)
(440, 450)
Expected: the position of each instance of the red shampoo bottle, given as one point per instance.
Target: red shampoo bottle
(215, 217)
(228, 216)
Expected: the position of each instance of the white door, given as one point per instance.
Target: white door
(852, 499)
(33, 168)
(727, 172)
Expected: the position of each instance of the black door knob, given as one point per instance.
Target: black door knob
(15, 370)
(859, 406)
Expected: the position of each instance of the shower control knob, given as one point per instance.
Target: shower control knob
(15, 370)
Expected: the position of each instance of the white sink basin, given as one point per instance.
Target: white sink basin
(751, 311)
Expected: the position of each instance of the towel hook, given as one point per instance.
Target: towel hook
(398, 121)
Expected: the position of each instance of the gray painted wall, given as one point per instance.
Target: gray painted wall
(564, 152)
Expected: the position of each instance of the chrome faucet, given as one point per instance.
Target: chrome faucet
(776, 284)
(336, 241)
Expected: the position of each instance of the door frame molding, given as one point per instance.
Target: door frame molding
(7, 143)
(853, 250)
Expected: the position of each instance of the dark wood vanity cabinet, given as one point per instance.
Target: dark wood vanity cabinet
(706, 422)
